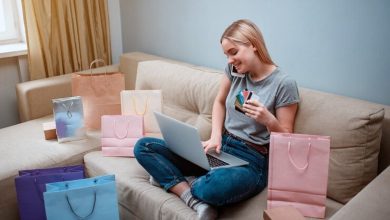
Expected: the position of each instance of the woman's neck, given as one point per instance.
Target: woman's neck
(262, 71)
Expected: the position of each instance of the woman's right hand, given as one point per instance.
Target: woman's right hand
(213, 144)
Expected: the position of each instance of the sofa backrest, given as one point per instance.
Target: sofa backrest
(355, 126)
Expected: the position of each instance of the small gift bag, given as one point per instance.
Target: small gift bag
(144, 103)
(120, 133)
(100, 93)
(298, 172)
(92, 198)
(69, 119)
(30, 185)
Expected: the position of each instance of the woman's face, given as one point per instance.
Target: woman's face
(241, 56)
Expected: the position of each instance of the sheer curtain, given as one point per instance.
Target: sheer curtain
(65, 36)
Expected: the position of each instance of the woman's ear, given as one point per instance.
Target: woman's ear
(253, 48)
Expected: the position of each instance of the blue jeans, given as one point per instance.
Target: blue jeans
(217, 187)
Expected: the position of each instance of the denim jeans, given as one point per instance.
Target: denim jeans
(217, 187)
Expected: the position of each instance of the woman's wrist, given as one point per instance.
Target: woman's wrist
(272, 124)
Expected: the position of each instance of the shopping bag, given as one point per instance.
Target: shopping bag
(93, 199)
(30, 185)
(144, 103)
(100, 93)
(120, 133)
(298, 172)
(69, 118)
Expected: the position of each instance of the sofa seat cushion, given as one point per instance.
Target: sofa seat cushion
(138, 199)
(23, 146)
(355, 128)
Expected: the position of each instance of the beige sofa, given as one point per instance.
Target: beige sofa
(360, 145)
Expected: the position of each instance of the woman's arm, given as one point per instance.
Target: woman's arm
(282, 122)
(218, 116)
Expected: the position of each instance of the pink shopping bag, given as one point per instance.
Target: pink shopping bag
(120, 133)
(298, 172)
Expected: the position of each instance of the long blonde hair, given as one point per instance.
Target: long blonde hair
(245, 32)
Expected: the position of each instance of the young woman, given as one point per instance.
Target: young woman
(268, 102)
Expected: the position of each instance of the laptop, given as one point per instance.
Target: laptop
(184, 140)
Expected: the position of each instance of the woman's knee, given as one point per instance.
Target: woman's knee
(143, 145)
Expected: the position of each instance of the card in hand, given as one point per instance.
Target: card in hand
(242, 97)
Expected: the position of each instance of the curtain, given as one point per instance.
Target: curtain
(65, 36)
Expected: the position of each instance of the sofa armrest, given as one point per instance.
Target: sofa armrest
(370, 203)
(34, 97)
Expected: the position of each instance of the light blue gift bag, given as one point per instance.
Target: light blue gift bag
(93, 199)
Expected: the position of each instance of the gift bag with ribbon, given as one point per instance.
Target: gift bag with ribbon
(298, 172)
(144, 103)
(100, 93)
(120, 133)
(30, 185)
(69, 119)
(92, 198)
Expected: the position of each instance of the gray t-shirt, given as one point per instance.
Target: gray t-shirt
(275, 91)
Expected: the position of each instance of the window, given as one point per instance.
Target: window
(11, 22)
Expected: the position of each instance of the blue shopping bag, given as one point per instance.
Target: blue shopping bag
(93, 199)
(30, 185)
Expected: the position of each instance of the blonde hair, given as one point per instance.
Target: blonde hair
(245, 32)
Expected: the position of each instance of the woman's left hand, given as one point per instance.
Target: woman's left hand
(256, 110)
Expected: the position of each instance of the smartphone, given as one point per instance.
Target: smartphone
(235, 73)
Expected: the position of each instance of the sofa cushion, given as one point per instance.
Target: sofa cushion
(188, 91)
(355, 130)
(138, 199)
(23, 146)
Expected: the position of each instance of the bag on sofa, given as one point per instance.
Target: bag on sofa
(120, 133)
(143, 102)
(30, 185)
(93, 199)
(298, 172)
(69, 119)
(100, 93)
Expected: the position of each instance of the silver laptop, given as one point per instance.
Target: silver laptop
(184, 140)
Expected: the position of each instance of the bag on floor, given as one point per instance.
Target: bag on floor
(30, 185)
(100, 93)
(69, 119)
(298, 172)
(120, 133)
(143, 103)
(93, 199)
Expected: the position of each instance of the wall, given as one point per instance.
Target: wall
(115, 30)
(12, 71)
(335, 46)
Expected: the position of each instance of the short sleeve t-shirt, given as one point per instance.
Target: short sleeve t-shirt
(276, 90)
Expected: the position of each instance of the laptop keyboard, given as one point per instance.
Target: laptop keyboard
(215, 162)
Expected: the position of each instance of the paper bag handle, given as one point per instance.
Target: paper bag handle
(98, 61)
(292, 160)
(135, 106)
(105, 71)
(67, 108)
(127, 130)
(74, 212)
